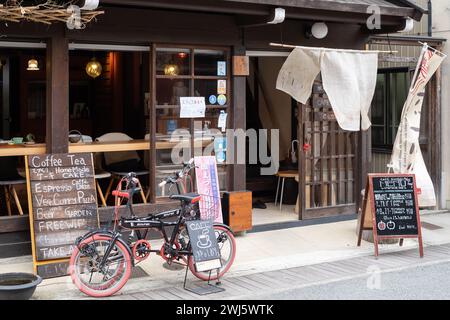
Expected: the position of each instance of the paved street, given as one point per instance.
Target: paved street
(393, 276)
(420, 282)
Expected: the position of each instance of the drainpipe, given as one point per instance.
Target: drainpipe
(430, 18)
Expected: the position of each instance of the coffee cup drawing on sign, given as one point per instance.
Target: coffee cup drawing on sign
(203, 240)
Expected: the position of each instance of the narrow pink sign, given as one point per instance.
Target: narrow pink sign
(208, 187)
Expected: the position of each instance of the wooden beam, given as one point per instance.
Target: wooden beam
(264, 7)
(57, 116)
(340, 210)
(391, 10)
(198, 5)
(413, 41)
(14, 224)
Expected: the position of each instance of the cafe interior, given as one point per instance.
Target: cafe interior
(110, 106)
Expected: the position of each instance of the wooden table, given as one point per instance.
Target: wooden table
(39, 148)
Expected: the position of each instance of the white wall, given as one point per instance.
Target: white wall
(441, 29)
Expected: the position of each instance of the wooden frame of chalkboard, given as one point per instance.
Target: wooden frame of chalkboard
(205, 249)
(391, 209)
(62, 202)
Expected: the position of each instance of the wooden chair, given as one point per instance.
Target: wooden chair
(100, 175)
(9, 178)
(113, 158)
(282, 176)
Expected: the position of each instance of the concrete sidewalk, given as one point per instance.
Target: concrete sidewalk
(256, 253)
(344, 279)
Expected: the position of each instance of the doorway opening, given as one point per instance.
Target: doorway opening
(318, 169)
(268, 109)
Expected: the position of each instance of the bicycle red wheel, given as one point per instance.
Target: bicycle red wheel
(227, 246)
(86, 275)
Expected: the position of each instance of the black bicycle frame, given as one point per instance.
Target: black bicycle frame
(147, 223)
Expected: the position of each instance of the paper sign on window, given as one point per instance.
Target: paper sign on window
(221, 86)
(221, 68)
(192, 107)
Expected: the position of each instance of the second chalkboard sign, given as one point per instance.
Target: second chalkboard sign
(395, 206)
(391, 209)
(62, 204)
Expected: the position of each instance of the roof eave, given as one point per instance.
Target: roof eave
(413, 11)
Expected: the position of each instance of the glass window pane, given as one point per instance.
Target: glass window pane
(169, 91)
(378, 104)
(173, 62)
(378, 135)
(36, 100)
(210, 63)
(402, 86)
(173, 147)
(211, 90)
(162, 172)
(168, 120)
(79, 96)
(211, 141)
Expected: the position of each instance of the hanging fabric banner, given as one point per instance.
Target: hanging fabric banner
(349, 79)
(406, 155)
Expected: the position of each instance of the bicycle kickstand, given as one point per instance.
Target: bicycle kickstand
(185, 278)
(218, 282)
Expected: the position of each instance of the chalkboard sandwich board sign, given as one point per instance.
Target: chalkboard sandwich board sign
(62, 202)
(204, 245)
(390, 209)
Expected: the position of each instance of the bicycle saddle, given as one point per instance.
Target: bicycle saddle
(188, 197)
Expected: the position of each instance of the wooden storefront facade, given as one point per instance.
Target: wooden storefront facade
(228, 26)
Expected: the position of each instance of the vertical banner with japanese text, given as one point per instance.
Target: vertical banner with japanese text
(208, 187)
(407, 157)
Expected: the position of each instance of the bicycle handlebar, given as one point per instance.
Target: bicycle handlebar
(172, 179)
(132, 181)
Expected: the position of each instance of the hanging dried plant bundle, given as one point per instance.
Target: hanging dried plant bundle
(48, 12)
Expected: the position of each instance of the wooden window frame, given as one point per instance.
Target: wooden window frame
(192, 77)
(387, 148)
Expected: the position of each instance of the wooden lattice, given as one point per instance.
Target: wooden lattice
(47, 13)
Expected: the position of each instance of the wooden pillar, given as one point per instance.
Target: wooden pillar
(152, 127)
(434, 127)
(6, 120)
(363, 163)
(238, 171)
(301, 162)
(57, 114)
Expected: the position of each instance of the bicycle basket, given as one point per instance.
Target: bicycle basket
(210, 207)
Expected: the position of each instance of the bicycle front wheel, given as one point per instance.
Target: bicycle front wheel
(227, 246)
(92, 278)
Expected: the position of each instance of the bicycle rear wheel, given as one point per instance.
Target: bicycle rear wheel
(85, 270)
(227, 246)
